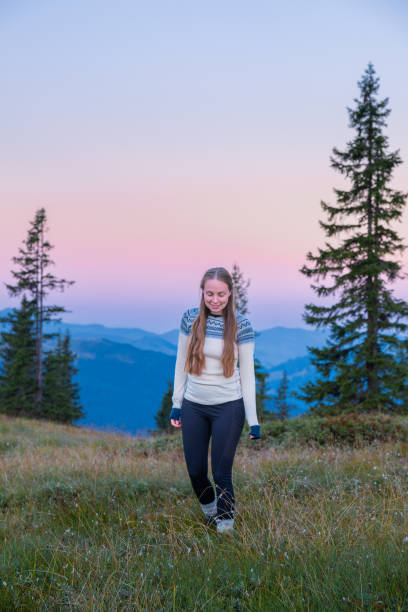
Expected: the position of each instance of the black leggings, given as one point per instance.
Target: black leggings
(223, 423)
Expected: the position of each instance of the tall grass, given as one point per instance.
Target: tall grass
(93, 521)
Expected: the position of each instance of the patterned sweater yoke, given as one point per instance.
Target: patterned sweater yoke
(215, 326)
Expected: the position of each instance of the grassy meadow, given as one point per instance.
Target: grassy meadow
(98, 521)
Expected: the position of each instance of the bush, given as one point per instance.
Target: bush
(349, 428)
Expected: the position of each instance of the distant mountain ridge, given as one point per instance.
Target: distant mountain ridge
(272, 346)
(139, 338)
(278, 344)
(121, 386)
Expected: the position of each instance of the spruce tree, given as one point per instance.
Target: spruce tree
(61, 393)
(282, 408)
(240, 287)
(162, 417)
(360, 368)
(17, 362)
(34, 280)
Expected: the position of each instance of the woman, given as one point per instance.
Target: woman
(219, 394)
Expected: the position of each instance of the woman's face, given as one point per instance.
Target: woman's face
(216, 295)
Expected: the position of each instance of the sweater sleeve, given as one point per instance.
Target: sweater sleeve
(247, 373)
(246, 350)
(180, 377)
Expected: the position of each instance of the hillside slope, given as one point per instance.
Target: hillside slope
(93, 521)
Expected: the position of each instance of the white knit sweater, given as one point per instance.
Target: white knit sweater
(212, 387)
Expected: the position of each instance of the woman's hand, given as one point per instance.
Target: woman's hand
(175, 417)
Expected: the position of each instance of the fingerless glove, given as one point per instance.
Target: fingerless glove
(255, 431)
(175, 414)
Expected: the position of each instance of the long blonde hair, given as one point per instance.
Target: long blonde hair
(195, 360)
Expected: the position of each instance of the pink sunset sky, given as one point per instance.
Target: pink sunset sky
(166, 138)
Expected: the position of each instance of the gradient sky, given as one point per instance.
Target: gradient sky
(167, 137)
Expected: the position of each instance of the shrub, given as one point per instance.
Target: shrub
(349, 428)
